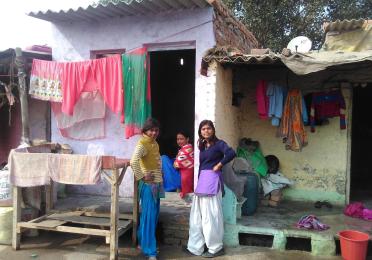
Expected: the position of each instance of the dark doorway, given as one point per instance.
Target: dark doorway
(173, 95)
(361, 145)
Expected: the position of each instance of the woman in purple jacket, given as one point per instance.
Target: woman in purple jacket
(206, 217)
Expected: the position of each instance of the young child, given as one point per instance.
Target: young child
(274, 181)
(185, 163)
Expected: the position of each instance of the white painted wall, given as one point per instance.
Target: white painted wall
(74, 41)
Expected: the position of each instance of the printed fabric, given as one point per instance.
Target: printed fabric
(311, 222)
(45, 80)
(292, 128)
(185, 162)
(136, 73)
(327, 104)
(185, 157)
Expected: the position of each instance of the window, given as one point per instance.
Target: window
(96, 54)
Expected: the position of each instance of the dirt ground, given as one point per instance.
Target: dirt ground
(58, 246)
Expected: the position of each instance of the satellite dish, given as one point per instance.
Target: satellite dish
(300, 44)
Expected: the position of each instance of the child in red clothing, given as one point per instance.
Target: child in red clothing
(185, 163)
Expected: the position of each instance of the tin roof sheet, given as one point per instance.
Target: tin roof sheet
(118, 8)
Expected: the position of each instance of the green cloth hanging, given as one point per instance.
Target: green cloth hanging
(256, 158)
(137, 92)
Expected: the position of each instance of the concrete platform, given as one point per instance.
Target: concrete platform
(277, 223)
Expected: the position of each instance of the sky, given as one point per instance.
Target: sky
(20, 30)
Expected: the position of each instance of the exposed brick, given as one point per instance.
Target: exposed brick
(229, 31)
(172, 241)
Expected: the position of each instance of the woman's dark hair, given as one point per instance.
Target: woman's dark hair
(212, 140)
(272, 163)
(150, 124)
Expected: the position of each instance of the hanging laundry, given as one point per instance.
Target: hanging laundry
(45, 83)
(326, 105)
(88, 120)
(262, 100)
(137, 91)
(291, 128)
(305, 115)
(275, 95)
(103, 74)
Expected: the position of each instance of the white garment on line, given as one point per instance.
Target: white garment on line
(206, 224)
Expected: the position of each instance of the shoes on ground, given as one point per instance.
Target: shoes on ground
(210, 255)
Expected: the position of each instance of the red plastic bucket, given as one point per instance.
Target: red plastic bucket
(353, 244)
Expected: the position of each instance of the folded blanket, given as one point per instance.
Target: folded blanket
(75, 169)
(28, 170)
(35, 169)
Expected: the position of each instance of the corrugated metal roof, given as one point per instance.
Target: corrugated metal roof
(118, 8)
(26, 53)
(344, 25)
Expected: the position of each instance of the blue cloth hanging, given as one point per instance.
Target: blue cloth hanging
(171, 177)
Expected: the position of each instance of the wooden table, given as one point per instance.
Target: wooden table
(109, 225)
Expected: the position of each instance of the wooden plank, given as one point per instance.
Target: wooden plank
(67, 229)
(106, 215)
(111, 163)
(16, 239)
(122, 174)
(89, 220)
(114, 243)
(49, 197)
(107, 178)
(122, 230)
(66, 214)
(92, 214)
(49, 223)
(38, 219)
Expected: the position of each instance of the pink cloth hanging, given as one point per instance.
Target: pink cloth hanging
(104, 75)
(262, 99)
(88, 120)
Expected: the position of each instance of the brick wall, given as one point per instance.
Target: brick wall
(229, 31)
